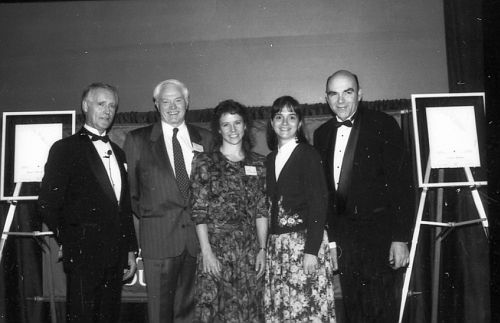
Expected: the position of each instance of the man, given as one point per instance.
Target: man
(371, 209)
(159, 159)
(85, 199)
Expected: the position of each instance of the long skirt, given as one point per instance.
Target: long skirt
(290, 294)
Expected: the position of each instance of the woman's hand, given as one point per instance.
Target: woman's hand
(260, 263)
(211, 265)
(310, 263)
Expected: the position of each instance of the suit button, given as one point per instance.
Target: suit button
(183, 226)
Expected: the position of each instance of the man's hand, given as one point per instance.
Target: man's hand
(398, 255)
(334, 259)
(132, 266)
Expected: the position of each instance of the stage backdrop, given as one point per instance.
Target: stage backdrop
(316, 114)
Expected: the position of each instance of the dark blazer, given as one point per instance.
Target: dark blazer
(375, 182)
(165, 227)
(300, 190)
(78, 202)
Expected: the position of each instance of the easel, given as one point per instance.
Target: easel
(35, 234)
(440, 233)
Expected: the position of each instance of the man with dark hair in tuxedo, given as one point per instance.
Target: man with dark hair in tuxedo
(371, 201)
(85, 200)
(159, 159)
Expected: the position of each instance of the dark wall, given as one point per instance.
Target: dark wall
(251, 51)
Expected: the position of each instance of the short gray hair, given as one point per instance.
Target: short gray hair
(161, 85)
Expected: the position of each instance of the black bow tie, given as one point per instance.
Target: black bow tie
(347, 123)
(95, 137)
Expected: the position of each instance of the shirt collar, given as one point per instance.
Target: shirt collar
(288, 147)
(94, 130)
(169, 129)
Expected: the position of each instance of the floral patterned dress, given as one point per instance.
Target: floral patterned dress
(298, 204)
(228, 197)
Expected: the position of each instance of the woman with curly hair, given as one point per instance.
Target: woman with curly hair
(229, 210)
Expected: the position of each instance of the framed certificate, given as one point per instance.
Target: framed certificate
(449, 132)
(26, 141)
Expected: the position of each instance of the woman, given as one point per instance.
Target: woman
(228, 208)
(299, 274)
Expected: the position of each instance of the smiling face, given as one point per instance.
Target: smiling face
(172, 105)
(99, 108)
(232, 129)
(343, 95)
(285, 124)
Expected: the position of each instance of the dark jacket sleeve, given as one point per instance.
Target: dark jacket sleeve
(317, 200)
(55, 182)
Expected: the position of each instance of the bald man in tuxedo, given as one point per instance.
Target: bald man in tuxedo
(371, 209)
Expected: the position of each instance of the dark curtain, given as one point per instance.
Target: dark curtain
(472, 48)
(491, 9)
(464, 45)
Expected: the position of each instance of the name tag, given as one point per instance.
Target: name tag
(251, 170)
(197, 147)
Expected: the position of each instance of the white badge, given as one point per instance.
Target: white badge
(251, 170)
(125, 166)
(197, 147)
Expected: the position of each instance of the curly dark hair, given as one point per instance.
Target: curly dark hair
(232, 107)
(289, 103)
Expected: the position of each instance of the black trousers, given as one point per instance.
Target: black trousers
(170, 286)
(93, 295)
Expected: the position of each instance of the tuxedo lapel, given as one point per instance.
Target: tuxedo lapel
(332, 137)
(123, 172)
(97, 167)
(348, 161)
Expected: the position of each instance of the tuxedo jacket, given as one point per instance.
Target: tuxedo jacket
(375, 185)
(77, 201)
(165, 225)
(299, 198)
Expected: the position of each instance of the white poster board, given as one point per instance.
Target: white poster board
(453, 138)
(31, 149)
(26, 141)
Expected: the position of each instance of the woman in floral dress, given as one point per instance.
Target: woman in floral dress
(299, 273)
(228, 208)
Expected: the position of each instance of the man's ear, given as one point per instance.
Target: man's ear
(360, 94)
(85, 106)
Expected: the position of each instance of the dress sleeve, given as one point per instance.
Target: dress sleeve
(259, 198)
(200, 189)
(317, 199)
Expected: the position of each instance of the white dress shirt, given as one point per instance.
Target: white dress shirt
(109, 161)
(184, 140)
(341, 140)
(282, 156)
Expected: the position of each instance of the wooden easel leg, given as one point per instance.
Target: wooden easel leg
(477, 201)
(8, 220)
(413, 250)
